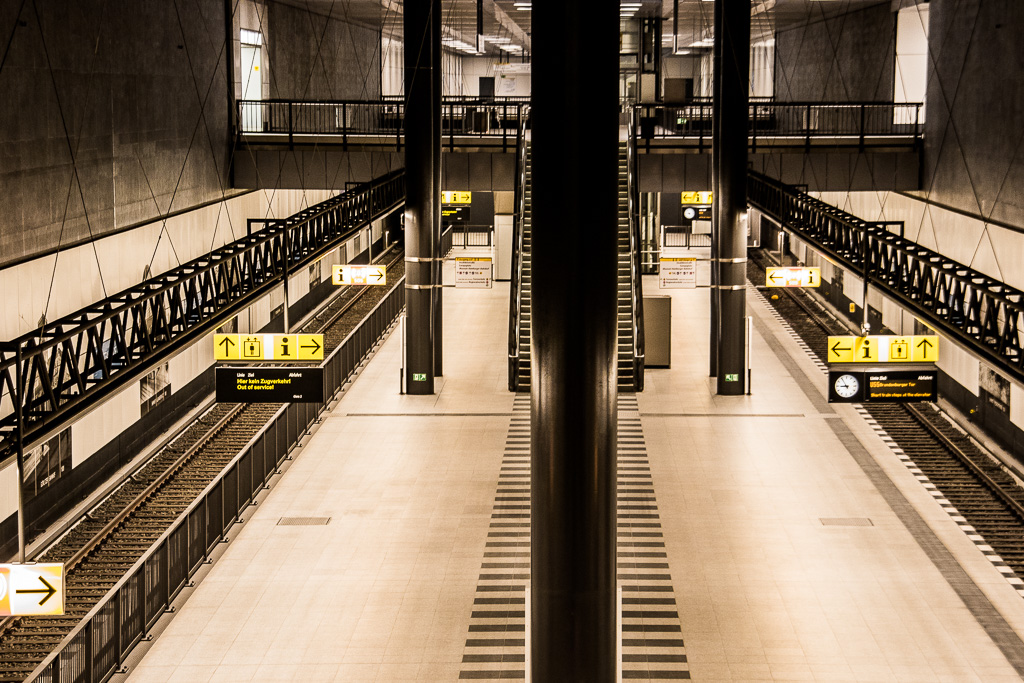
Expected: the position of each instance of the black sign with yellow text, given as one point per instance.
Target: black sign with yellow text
(882, 385)
(270, 385)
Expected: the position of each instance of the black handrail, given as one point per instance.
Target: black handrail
(515, 296)
(803, 121)
(635, 279)
(380, 120)
(60, 370)
(857, 123)
(977, 311)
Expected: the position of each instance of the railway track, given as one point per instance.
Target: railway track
(108, 540)
(980, 487)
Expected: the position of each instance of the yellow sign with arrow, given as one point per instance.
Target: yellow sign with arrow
(263, 347)
(882, 348)
(31, 589)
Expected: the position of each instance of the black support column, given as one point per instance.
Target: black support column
(573, 337)
(420, 196)
(716, 174)
(436, 94)
(732, 41)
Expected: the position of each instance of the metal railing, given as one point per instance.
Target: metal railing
(635, 280)
(801, 123)
(99, 645)
(977, 311)
(466, 235)
(683, 236)
(494, 122)
(54, 373)
(515, 293)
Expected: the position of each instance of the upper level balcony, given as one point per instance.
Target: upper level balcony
(473, 123)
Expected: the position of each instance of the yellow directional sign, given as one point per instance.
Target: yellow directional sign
(311, 346)
(260, 347)
(31, 589)
(840, 349)
(225, 347)
(359, 275)
(882, 348)
(924, 348)
(449, 197)
(792, 277)
(698, 198)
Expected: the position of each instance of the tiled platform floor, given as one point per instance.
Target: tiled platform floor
(765, 589)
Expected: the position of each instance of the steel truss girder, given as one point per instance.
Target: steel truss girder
(973, 309)
(70, 364)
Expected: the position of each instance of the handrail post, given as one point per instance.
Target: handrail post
(862, 112)
(19, 412)
(344, 126)
(291, 130)
(917, 125)
(753, 126)
(807, 126)
(504, 132)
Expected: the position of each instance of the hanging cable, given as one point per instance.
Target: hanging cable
(71, 151)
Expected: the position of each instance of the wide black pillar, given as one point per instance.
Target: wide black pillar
(436, 94)
(716, 149)
(732, 81)
(573, 340)
(420, 196)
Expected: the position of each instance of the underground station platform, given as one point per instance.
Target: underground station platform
(768, 537)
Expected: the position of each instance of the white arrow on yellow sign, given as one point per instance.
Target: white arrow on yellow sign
(359, 275)
(258, 347)
(31, 589)
(792, 277)
(882, 348)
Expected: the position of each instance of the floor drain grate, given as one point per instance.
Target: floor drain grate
(845, 521)
(304, 521)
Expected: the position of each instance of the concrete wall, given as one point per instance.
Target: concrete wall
(972, 160)
(505, 84)
(112, 116)
(845, 58)
(319, 56)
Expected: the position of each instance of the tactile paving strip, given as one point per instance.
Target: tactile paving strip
(652, 643)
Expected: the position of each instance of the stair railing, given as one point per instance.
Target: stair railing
(518, 218)
(635, 280)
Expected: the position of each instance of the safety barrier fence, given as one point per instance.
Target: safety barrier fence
(855, 123)
(977, 311)
(99, 644)
(683, 236)
(51, 375)
(466, 235)
(494, 120)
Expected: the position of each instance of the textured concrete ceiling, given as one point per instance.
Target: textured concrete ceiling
(507, 23)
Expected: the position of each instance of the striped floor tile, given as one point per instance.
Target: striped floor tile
(652, 642)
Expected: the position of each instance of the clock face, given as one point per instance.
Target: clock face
(689, 214)
(847, 385)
